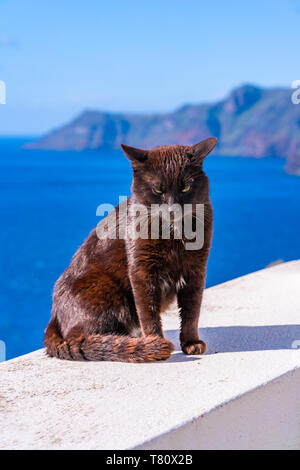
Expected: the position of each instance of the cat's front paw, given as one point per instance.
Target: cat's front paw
(191, 348)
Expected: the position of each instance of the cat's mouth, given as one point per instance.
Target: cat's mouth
(177, 214)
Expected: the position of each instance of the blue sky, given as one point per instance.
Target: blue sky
(62, 56)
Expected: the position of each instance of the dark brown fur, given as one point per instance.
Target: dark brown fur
(108, 302)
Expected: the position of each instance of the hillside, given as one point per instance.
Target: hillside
(251, 121)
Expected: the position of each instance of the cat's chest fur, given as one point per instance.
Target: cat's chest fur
(171, 265)
(171, 285)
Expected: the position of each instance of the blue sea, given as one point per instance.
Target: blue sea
(48, 206)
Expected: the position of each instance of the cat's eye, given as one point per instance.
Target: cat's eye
(157, 191)
(186, 189)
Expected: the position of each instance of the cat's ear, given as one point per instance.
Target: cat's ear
(203, 148)
(135, 155)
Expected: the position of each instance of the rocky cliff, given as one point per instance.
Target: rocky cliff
(251, 121)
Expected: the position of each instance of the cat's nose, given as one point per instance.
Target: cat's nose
(170, 202)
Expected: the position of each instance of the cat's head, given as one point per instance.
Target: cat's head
(170, 174)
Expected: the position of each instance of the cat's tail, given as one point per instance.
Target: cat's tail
(106, 347)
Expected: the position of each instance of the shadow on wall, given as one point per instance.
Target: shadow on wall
(223, 339)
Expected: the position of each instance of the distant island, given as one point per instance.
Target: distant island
(251, 122)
